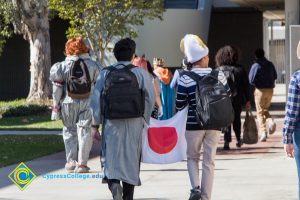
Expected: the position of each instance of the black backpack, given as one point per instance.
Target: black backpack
(79, 81)
(231, 80)
(121, 96)
(213, 105)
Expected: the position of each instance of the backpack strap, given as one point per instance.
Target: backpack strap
(215, 74)
(191, 74)
(180, 71)
(109, 68)
(130, 66)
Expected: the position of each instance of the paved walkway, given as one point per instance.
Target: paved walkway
(256, 172)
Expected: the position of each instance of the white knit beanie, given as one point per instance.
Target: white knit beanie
(193, 48)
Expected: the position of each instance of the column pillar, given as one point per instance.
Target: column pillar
(291, 18)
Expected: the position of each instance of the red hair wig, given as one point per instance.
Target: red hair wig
(75, 46)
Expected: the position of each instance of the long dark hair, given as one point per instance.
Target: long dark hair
(227, 55)
(150, 69)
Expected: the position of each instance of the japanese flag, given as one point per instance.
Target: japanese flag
(164, 141)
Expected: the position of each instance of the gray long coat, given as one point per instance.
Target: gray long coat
(123, 137)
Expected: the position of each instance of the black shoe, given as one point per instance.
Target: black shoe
(226, 146)
(239, 144)
(195, 194)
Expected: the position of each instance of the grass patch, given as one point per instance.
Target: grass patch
(21, 108)
(20, 148)
(20, 115)
(33, 122)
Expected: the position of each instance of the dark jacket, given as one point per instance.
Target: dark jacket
(241, 83)
(243, 86)
(263, 74)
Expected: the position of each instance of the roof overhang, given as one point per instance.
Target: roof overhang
(272, 9)
(262, 5)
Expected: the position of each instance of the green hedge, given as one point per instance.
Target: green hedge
(22, 108)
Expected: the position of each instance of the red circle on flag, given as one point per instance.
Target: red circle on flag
(162, 139)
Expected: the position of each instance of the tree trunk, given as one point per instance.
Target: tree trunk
(40, 62)
(31, 20)
(102, 56)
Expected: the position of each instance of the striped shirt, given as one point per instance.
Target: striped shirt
(186, 95)
(292, 115)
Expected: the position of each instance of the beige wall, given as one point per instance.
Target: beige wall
(162, 38)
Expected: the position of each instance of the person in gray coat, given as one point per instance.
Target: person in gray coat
(75, 113)
(122, 138)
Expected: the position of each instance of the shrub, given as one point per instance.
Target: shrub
(22, 108)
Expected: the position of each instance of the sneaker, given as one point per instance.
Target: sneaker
(195, 194)
(226, 146)
(82, 169)
(70, 166)
(239, 143)
(263, 137)
(272, 127)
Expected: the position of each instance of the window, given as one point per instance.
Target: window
(190, 4)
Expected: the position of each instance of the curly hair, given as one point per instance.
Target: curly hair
(227, 55)
(75, 46)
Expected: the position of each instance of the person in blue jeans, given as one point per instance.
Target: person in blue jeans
(291, 126)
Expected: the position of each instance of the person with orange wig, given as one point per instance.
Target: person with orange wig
(74, 110)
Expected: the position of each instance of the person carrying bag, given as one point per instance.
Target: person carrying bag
(250, 134)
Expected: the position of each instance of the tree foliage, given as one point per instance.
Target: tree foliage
(6, 11)
(101, 20)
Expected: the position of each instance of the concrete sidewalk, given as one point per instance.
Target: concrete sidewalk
(255, 172)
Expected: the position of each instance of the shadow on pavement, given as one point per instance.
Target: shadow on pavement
(40, 166)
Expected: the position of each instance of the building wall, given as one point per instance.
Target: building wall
(161, 38)
(240, 27)
(14, 62)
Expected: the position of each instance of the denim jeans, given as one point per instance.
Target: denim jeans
(296, 144)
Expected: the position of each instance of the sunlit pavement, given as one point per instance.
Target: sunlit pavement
(254, 172)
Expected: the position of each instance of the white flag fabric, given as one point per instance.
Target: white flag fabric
(164, 140)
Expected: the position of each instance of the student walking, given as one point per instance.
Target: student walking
(146, 65)
(291, 126)
(262, 76)
(122, 100)
(73, 80)
(197, 57)
(167, 93)
(226, 61)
